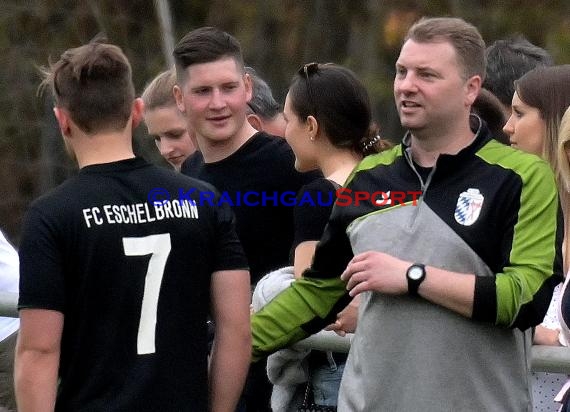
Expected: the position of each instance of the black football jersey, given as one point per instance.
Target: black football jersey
(126, 253)
(260, 182)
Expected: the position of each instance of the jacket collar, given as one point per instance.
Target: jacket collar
(482, 136)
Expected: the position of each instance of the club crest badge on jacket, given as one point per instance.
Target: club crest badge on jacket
(468, 207)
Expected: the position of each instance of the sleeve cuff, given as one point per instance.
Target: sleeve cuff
(485, 299)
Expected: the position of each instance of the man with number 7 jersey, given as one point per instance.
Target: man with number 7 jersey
(115, 288)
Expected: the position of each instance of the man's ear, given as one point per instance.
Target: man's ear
(473, 87)
(62, 120)
(255, 121)
(137, 112)
(248, 86)
(179, 98)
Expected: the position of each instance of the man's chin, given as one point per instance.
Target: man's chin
(410, 125)
(217, 139)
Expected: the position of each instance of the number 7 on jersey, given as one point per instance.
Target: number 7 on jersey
(158, 247)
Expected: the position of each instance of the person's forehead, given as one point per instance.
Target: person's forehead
(518, 102)
(429, 54)
(161, 112)
(225, 69)
(162, 117)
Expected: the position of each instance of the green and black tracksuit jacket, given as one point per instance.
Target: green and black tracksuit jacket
(490, 210)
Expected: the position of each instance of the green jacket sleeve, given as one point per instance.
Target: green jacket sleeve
(302, 309)
(522, 290)
(313, 301)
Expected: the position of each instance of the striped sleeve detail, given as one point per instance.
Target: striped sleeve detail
(300, 310)
(370, 162)
(524, 287)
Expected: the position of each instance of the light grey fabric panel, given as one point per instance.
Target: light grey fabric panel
(411, 355)
(416, 233)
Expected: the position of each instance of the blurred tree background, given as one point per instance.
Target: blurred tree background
(277, 37)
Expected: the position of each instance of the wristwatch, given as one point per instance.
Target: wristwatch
(415, 275)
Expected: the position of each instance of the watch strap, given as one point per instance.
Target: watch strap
(414, 284)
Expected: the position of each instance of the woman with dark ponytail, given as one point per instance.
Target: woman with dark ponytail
(329, 127)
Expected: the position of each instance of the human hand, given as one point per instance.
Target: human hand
(546, 336)
(377, 272)
(346, 319)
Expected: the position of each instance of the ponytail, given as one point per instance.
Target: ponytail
(372, 143)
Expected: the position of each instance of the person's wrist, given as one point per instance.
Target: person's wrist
(415, 275)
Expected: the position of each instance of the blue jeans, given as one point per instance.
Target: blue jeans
(325, 380)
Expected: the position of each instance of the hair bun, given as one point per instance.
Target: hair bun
(369, 142)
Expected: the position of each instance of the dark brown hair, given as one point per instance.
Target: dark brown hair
(490, 109)
(548, 90)
(340, 103)
(507, 61)
(205, 45)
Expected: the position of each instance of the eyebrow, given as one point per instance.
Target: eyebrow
(200, 88)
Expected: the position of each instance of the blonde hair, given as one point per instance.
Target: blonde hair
(563, 179)
(158, 93)
(563, 145)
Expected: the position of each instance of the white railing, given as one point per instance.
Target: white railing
(9, 304)
(554, 359)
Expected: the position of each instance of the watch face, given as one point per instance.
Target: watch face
(415, 273)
